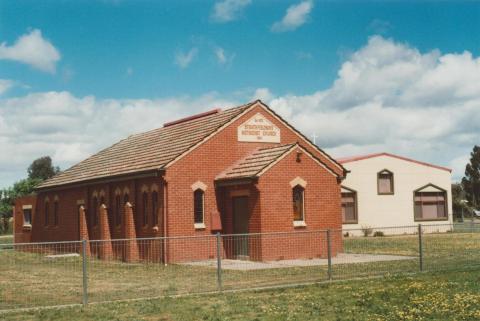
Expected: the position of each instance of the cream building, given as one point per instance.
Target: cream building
(385, 190)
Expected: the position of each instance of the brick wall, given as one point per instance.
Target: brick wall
(21, 233)
(270, 201)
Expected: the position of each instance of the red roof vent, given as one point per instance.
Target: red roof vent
(182, 120)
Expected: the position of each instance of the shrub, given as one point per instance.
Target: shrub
(6, 225)
(346, 234)
(378, 234)
(367, 231)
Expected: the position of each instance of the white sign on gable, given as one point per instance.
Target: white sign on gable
(258, 129)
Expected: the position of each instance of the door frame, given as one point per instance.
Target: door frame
(241, 242)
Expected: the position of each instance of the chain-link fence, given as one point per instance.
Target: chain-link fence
(62, 273)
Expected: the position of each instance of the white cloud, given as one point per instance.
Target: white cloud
(32, 49)
(5, 85)
(228, 10)
(388, 96)
(70, 128)
(183, 60)
(295, 16)
(223, 58)
(264, 94)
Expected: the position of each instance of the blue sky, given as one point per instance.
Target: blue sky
(167, 59)
(100, 40)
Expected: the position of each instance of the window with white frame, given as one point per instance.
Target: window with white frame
(198, 207)
(27, 216)
(298, 204)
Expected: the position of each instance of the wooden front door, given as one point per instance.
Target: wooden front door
(241, 216)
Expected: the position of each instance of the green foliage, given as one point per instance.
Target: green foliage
(378, 234)
(460, 207)
(42, 168)
(367, 231)
(471, 181)
(8, 195)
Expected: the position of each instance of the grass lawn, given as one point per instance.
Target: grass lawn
(430, 296)
(6, 239)
(30, 279)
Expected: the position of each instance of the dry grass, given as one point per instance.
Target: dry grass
(30, 279)
(432, 297)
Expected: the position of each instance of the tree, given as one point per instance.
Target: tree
(471, 181)
(460, 208)
(21, 188)
(42, 168)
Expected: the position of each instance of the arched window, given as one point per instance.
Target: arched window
(47, 214)
(94, 211)
(125, 198)
(385, 182)
(349, 206)
(198, 207)
(55, 213)
(118, 210)
(145, 209)
(430, 203)
(154, 208)
(298, 203)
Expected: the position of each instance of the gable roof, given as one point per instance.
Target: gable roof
(147, 151)
(255, 162)
(157, 149)
(350, 159)
(261, 159)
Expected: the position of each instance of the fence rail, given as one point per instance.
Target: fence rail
(79, 272)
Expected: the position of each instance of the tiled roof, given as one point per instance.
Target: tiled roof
(146, 151)
(255, 162)
(345, 160)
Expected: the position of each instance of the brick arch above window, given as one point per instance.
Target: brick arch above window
(199, 185)
(298, 181)
(154, 188)
(117, 191)
(144, 189)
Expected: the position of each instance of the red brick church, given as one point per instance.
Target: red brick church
(234, 171)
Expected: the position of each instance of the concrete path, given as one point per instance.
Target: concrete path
(342, 258)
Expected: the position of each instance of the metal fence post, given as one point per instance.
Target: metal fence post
(84, 269)
(420, 247)
(329, 253)
(219, 261)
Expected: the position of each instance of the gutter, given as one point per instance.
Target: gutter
(100, 180)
